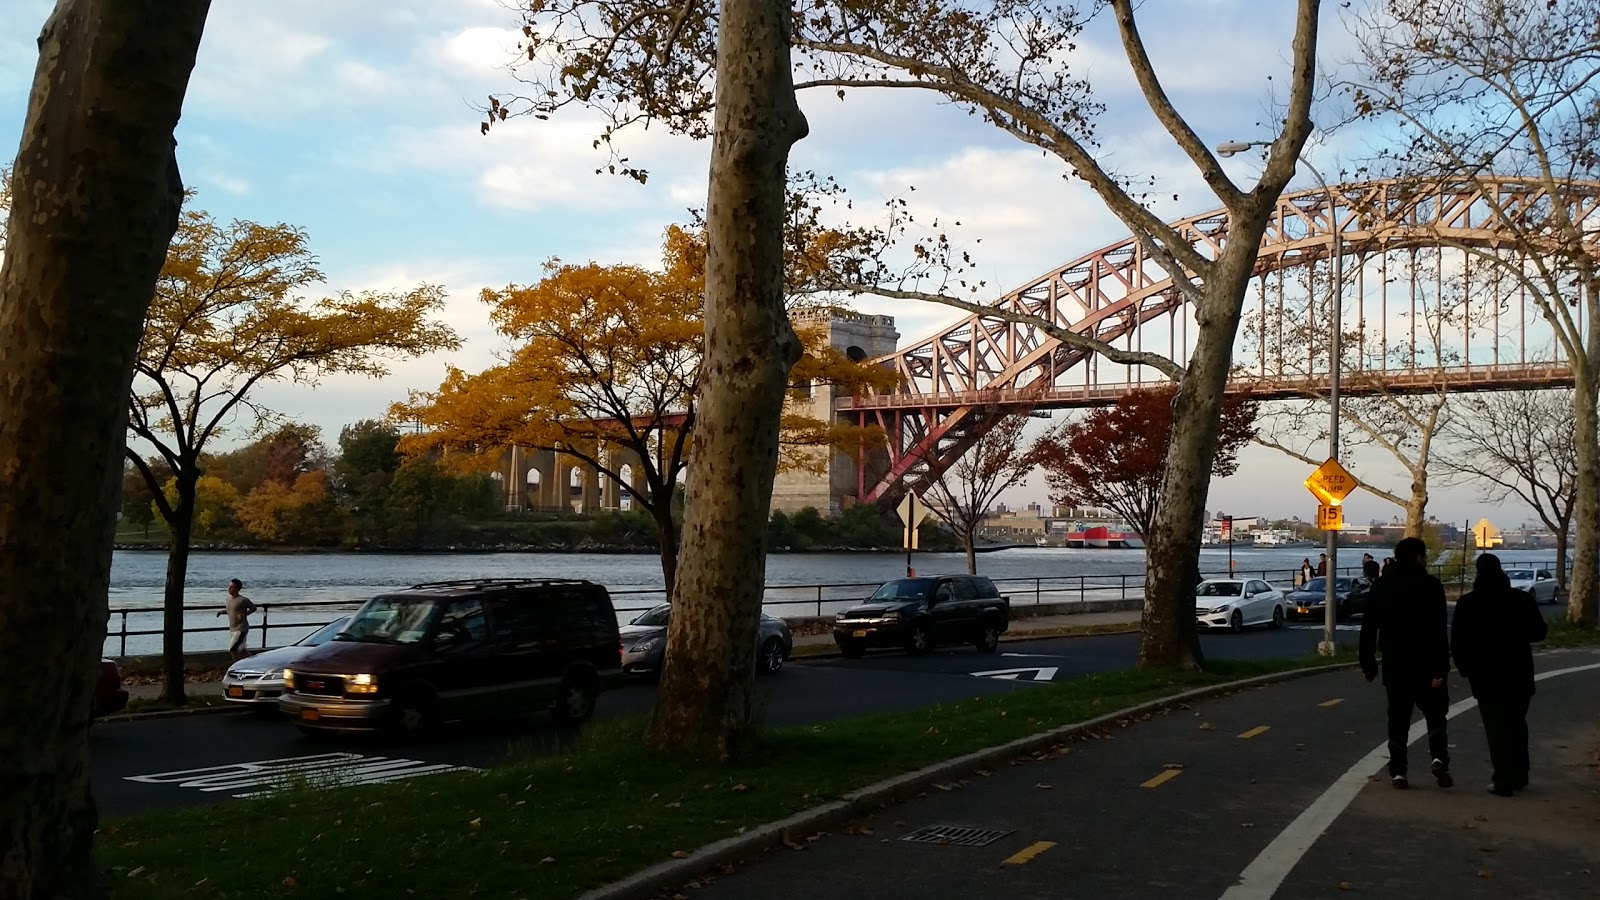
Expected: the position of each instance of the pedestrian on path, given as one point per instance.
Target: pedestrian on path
(238, 609)
(1322, 566)
(1304, 575)
(1369, 567)
(1406, 619)
(1494, 626)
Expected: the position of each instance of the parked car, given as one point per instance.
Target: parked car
(1237, 603)
(258, 680)
(1538, 582)
(644, 643)
(445, 651)
(1309, 601)
(109, 694)
(922, 613)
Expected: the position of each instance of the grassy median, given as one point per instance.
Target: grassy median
(556, 826)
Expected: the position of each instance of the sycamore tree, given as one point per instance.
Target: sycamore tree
(1007, 62)
(1113, 457)
(1519, 445)
(604, 367)
(962, 495)
(1474, 91)
(228, 315)
(96, 196)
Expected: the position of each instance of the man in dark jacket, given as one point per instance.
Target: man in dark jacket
(1406, 619)
(1494, 626)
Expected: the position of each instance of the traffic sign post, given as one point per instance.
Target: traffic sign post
(1330, 484)
(909, 536)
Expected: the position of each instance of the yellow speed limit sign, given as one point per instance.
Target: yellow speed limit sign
(1329, 517)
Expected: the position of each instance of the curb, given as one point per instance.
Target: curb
(646, 883)
(1007, 638)
(172, 713)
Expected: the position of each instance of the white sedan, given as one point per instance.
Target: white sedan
(1237, 603)
(1540, 583)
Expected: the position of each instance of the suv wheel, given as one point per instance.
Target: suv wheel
(920, 640)
(988, 637)
(576, 699)
(772, 656)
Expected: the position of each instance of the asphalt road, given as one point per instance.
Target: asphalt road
(185, 761)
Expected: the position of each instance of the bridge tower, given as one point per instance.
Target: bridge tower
(861, 337)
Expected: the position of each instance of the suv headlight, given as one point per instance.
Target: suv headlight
(891, 617)
(288, 679)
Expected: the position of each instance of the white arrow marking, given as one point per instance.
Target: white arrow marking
(1038, 655)
(1042, 673)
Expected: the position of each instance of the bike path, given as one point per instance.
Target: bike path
(1180, 803)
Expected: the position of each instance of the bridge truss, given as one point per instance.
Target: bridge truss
(1421, 313)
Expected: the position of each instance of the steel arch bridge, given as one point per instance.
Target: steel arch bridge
(956, 383)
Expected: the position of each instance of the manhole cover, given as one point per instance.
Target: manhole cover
(956, 834)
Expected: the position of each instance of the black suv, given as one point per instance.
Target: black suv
(456, 650)
(921, 613)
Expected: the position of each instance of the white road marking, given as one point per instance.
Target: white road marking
(1342, 626)
(1038, 655)
(1041, 673)
(255, 779)
(1261, 879)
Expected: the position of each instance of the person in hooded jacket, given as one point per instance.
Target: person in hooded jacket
(1494, 626)
(1407, 618)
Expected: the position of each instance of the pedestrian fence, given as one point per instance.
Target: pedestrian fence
(138, 630)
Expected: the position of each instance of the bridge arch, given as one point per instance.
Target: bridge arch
(957, 382)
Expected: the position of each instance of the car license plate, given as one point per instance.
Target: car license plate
(310, 715)
(236, 692)
(858, 634)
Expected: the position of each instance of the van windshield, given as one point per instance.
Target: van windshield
(392, 620)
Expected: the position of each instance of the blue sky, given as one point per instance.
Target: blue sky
(356, 120)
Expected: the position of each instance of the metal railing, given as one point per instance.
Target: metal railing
(785, 601)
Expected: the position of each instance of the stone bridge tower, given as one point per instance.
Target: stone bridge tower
(860, 337)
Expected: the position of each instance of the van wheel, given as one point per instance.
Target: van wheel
(575, 701)
(412, 715)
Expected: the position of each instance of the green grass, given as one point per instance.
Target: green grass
(1565, 634)
(556, 826)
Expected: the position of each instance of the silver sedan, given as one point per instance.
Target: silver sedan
(1538, 582)
(258, 679)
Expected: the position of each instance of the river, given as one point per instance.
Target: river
(798, 583)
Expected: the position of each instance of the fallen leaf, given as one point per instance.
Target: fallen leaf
(136, 872)
(1485, 873)
(476, 823)
(1172, 766)
(984, 772)
(740, 788)
(289, 882)
(944, 787)
(1247, 824)
(1207, 726)
(1044, 787)
(547, 860)
(1346, 886)
(674, 805)
(680, 854)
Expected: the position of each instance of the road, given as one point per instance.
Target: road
(165, 763)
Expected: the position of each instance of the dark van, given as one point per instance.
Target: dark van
(453, 650)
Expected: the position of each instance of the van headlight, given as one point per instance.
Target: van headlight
(361, 684)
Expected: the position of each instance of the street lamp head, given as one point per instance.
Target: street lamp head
(1233, 147)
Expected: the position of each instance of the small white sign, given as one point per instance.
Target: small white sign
(1041, 673)
(323, 770)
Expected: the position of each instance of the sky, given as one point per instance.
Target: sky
(358, 121)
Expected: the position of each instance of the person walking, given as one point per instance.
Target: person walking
(1322, 565)
(238, 609)
(1369, 567)
(1406, 619)
(1490, 637)
(1305, 572)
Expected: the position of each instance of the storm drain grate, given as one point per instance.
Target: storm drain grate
(956, 834)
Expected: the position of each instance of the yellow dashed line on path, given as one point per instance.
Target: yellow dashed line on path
(1026, 854)
(1259, 729)
(1163, 778)
(1334, 702)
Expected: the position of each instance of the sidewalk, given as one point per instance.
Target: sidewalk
(1181, 803)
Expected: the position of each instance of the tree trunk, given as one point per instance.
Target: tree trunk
(1581, 598)
(1563, 584)
(95, 201)
(704, 703)
(667, 534)
(182, 534)
(1167, 636)
(968, 538)
(1417, 503)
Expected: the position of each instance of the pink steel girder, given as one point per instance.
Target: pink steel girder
(957, 382)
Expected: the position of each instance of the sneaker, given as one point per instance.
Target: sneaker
(1441, 774)
(1400, 782)
(1499, 791)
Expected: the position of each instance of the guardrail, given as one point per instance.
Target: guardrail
(295, 620)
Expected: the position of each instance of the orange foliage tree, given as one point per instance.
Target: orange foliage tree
(1113, 457)
(228, 315)
(603, 368)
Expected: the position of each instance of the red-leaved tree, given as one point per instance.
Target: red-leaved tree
(1113, 457)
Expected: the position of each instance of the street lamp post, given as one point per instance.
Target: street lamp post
(1335, 351)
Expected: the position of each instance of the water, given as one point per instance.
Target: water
(799, 584)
